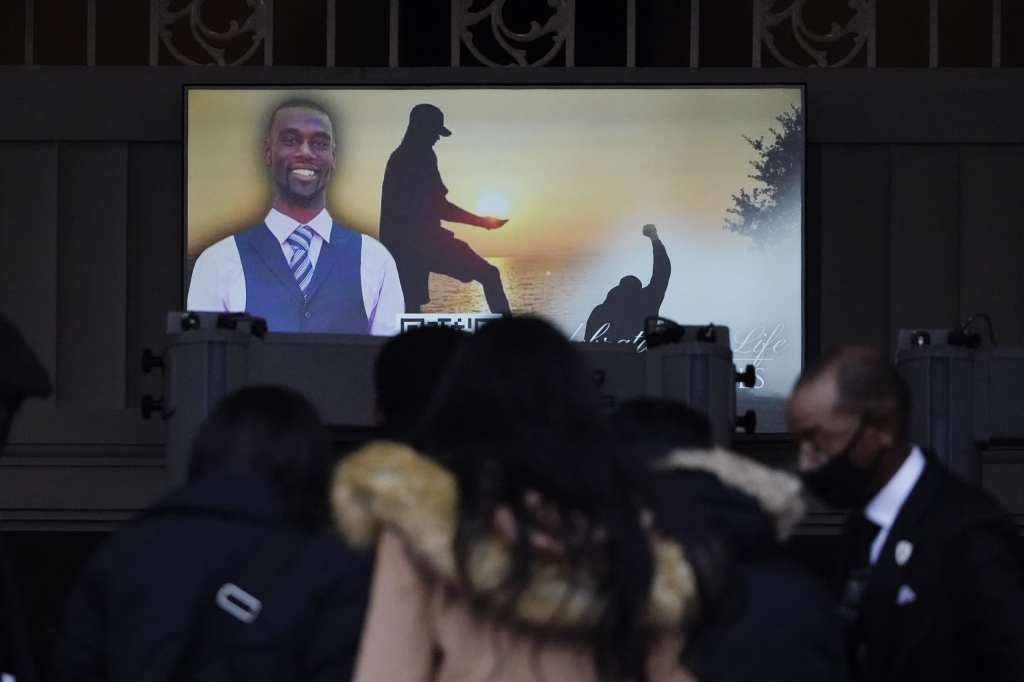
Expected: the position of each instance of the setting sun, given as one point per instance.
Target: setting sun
(492, 204)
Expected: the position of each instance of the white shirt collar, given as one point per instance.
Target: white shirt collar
(885, 506)
(282, 226)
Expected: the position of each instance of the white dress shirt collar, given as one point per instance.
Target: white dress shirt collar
(885, 506)
(281, 225)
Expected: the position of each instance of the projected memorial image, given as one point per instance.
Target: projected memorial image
(363, 211)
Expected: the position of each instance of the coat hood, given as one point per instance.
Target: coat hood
(752, 506)
(390, 486)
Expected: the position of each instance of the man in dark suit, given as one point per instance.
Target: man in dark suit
(21, 376)
(931, 585)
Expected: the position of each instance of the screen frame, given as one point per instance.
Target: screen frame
(530, 78)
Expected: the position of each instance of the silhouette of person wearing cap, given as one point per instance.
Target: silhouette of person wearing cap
(621, 316)
(413, 204)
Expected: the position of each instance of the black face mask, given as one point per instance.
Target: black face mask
(839, 482)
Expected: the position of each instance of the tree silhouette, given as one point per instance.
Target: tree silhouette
(771, 210)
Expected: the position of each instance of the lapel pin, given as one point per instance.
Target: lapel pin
(903, 551)
(905, 596)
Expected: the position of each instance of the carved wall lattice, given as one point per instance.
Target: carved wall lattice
(483, 27)
(517, 33)
(184, 29)
(837, 46)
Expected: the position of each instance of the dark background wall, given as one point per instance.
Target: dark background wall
(915, 160)
(913, 219)
(914, 157)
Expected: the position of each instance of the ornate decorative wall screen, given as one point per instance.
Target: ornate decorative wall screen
(815, 47)
(470, 17)
(249, 32)
(517, 33)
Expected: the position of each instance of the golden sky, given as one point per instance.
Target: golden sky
(573, 168)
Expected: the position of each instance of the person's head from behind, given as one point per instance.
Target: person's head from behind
(646, 431)
(299, 149)
(849, 415)
(408, 370)
(517, 380)
(271, 435)
(653, 427)
(516, 420)
(22, 376)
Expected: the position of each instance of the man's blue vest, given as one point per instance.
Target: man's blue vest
(333, 302)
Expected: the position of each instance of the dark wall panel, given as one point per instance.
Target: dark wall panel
(854, 245)
(28, 242)
(925, 260)
(424, 33)
(362, 34)
(122, 32)
(1013, 26)
(854, 106)
(12, 34)
(914, 215)
(81, 487)
(154, 224)
(601, 33)
(812, 252)
(915, 106)
(59, 31)
(903, 38)
(663, 33)
(965, 32)
(992, 237)
(726, 33)
(300, 32)
(93, 264)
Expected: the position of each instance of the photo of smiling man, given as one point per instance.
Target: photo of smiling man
(299, 269)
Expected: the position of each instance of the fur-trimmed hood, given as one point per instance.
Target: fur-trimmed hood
(390, 486)
(777, 494)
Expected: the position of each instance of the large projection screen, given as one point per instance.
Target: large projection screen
(576, 172)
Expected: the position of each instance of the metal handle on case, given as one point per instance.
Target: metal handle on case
(149, 405)
(747, 422)
(748, 377)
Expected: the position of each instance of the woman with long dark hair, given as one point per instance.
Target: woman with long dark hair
(511, 545)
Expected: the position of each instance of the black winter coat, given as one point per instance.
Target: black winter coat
(777, 622)
(952, 606)
(146, 600)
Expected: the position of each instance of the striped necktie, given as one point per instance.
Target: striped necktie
(300, 241)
